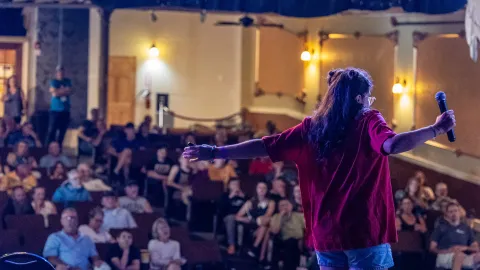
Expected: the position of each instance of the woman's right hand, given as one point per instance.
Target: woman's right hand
(198, 152)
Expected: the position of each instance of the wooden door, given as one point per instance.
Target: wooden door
(121, 89)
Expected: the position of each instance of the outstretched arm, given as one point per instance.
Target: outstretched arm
(408, 140)
(245, 150)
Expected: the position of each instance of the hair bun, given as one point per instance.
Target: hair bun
(352, 73)
(332, 74)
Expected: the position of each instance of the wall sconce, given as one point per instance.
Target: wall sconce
(153, 51)
(306, 55)
(399, 87)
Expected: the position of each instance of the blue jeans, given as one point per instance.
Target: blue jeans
(372, 258)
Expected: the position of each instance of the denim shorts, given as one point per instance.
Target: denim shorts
(372, 258)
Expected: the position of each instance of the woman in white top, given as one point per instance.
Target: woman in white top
(164, 252)
(42, 206)
(94, 227)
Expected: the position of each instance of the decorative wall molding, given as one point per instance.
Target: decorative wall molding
(419, 36)
(280, 111)
(324, 36)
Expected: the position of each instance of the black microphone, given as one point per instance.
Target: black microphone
(442, 104)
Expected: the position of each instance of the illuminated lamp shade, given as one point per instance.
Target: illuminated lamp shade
(306, 56)
(153, 51)
(398, 87)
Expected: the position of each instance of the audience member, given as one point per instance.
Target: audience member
(427, 191)
(89, 183)
(41, 206)
(123, 255)
(18, 204)
(11, 131)
(19, 155)
(122, 148)
(164, 252)
(71, 190)
(414, 191)
(179, 190)
(231, 202)
(132, 201)
(290, 227)
(221, 135)
(157, 175)
(115, 217)
(256, 213)
(290, 175)
(278, 191)
(143, 134)
(297, 199)
(221, 170)
(452, 240)
(21, 176)
(54, 155)
(441, 193)
(94, 228)
(3, 133)
(25, 134)
(58, 172)
(14, 102)
(69, 249)
(88, 132)
(60, 88)
(408, 221)
(260, 166)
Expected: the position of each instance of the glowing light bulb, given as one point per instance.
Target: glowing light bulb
(153, 51)
(306, 56)
(397, 88)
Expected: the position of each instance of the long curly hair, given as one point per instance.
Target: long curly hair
(338, 109)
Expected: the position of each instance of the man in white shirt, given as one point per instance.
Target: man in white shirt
(115, 217)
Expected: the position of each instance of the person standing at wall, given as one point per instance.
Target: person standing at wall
(60, 88)
(13, 100)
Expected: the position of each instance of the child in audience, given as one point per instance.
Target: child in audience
(132, 201)
(123, 255)
(115, 217)
(164, 252)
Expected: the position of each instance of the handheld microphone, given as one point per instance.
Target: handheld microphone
(442, 104)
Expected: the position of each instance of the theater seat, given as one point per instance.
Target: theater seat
(102, 249)
(24, 261)
(24, 223)
(9, 241)
(409, 242)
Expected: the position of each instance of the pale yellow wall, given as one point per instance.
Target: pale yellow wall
(199, 64)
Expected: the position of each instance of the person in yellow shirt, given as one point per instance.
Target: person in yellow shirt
(220, 170)
(21, 176)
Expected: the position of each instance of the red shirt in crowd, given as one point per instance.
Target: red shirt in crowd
(347, 198)
(260, 166)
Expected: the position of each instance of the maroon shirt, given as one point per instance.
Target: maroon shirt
(347, 198)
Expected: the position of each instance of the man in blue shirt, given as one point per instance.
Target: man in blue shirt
(60, 88)
(68, 249)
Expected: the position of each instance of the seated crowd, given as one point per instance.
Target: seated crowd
(140, 174)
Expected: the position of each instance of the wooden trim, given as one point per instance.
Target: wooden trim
(324, 36)
(456, 151)
(421, 36)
